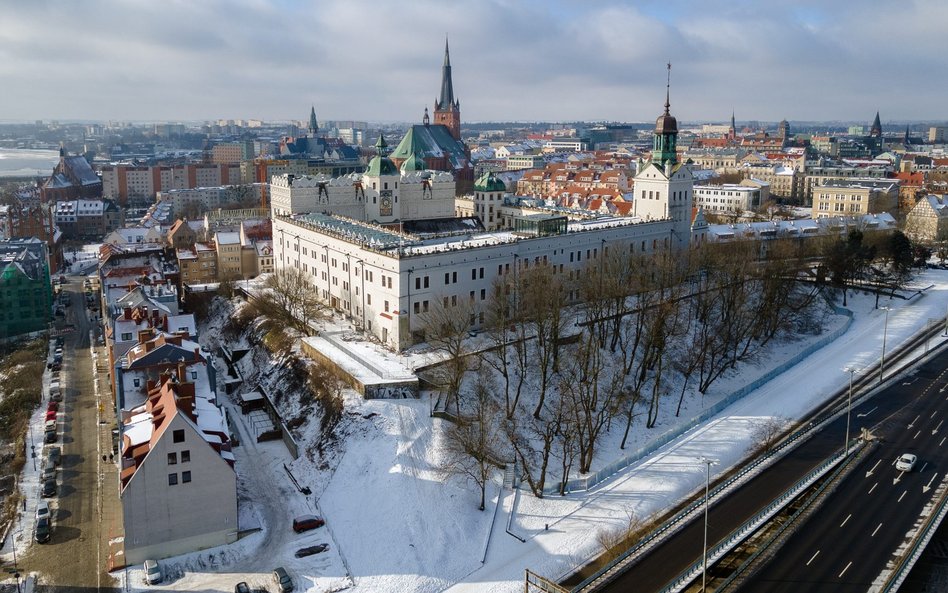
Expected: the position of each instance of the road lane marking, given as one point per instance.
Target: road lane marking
(846, 519)
(845, 569)
(903, 496)
(864, 414)
(942, 441)
(869, 473)
(873, 487)
(912, 424)
(935, 431)
(916, 434)
(875, 531)
(813, 557)
(928, 486)
(924, 465)
(933, 414)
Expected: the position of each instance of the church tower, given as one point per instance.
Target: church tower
(447, 109)
(664, 187)
(312, 128)
(732, 130)
(876, 130)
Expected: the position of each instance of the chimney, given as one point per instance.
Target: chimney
(182, 372)
(144, 335)
(197, 354)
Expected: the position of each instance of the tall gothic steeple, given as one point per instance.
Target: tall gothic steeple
(447, 109)
(666, 132)
(313, 128)
(876, 129)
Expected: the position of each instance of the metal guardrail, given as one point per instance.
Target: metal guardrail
(687, 576)
(898, 576)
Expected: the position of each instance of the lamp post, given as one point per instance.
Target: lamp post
(16, 571)
(704, 555)
(849, 407)
(885, 329)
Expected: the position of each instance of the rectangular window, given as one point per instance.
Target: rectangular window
(386, 306)
(185, 477)
(172, 458)
(426, 282)
(417, 283)
(172, 479)
(178, 435)
(417, 308)
(447, 278)
(424, 306)
(138, 382)
(368, 299)
(186, 456)
(483, 294)
(473, 273)
(454, 277)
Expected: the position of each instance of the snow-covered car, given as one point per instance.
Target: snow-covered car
(310, 550)
(152, 572)
(906, 462)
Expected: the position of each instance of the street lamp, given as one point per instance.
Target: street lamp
(885, 329)
(704, 556)
(849, 406)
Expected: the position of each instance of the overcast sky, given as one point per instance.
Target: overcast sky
(565, 60)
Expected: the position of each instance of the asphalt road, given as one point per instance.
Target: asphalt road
(666, 561)
(73, 560)
(847, 543)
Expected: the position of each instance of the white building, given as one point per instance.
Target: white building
(385, 280)
(203, 199)
(728, 198)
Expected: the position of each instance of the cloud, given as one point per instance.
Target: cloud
(513, 60)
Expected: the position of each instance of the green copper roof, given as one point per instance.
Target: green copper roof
(381, 165)
(432, 142)
(489, 182)
(413, 163)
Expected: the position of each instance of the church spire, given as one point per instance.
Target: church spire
(876, 129)
(446, 100)
(313, 128)
(668, 81)
(664, 145)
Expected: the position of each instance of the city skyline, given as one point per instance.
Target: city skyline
(513, 61)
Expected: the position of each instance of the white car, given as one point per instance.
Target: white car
(152, 572)
(906, 462)
(42, 509)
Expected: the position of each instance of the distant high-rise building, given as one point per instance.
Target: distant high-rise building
(783, 129)
(937, 134)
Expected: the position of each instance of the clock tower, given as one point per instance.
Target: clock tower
(380, 185)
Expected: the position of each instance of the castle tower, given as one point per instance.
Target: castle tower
(447, 109)
(489, 193)
(380, 184)
(664, 187)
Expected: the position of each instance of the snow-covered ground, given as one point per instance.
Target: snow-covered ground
(395, 523)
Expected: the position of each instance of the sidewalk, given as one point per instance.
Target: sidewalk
(110, 507)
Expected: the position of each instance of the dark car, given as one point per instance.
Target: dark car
(54, 455)
(41, 530)
(307, 522)
(49, 473)
(49, 436)
(242, 587)
(309, 551)
(49, 488)
(283, 580)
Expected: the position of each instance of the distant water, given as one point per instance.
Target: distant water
(27, 163)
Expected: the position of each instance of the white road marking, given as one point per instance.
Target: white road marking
(916, 434)
(875, 531)
(846, 519)
(844, 570)
(935, 430)
(903, 496)
(873, 487)
(912, 423)
(942, 441)
(813, 557)
(933, 414)
(869, 473)
(864, 414)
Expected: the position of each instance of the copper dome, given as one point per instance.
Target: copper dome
(666, 124)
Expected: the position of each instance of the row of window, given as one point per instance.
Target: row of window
(173, 478)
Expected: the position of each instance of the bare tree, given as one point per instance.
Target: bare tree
(471, 445)
(542, 295)
(289, 298)
(507, 332)
(446, 329)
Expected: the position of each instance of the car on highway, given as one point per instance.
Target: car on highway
(152, 572)
(42, 510)
(41, 530)
(283, 581)
(49, 488)
(906, 462)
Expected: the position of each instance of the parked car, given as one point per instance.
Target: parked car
(55, 394)
(41, 530)
(242, 587)
(307, 522)
(42, 510)
(906, 462)
(49, 473)
(49, 488)
(54, 455)
(52, 407)
(51, 415)
(310, 550)
(152, 572)
(283, 580)
(50, 436)
(50, 424)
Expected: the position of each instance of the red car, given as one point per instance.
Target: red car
(50, 415)
(52, 407)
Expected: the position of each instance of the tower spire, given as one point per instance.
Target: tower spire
(313, 127)
(446, 100)
(668, 89)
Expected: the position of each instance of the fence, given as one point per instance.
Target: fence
(593, 479)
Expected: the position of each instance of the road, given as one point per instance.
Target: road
(847, 543)
(74, 560)
(666, 561)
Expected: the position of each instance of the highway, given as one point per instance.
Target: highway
(847, 543)
(886, 413)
